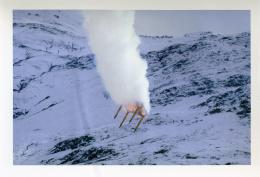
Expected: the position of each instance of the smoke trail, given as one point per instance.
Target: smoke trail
(112, 38)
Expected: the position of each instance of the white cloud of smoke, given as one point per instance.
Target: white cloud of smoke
(112, 38)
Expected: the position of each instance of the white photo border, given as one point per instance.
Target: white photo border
(7, 169)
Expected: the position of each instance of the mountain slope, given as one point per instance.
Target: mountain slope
(199, 89)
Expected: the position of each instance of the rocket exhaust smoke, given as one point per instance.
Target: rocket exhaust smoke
(112, 38)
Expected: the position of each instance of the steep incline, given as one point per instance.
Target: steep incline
(199, 86)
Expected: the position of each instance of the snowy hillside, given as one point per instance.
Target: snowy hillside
(199, 86)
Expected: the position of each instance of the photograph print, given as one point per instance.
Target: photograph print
(131, 87)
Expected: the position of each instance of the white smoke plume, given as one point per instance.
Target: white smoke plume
(112, 38)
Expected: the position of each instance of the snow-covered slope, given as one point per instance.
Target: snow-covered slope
(200, 96)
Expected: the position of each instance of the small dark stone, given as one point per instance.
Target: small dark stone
(161, 151)
(188, 156)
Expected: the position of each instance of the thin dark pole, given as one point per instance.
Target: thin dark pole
(134, 115)
(139, 123)
(124, 119)
(118, 111)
